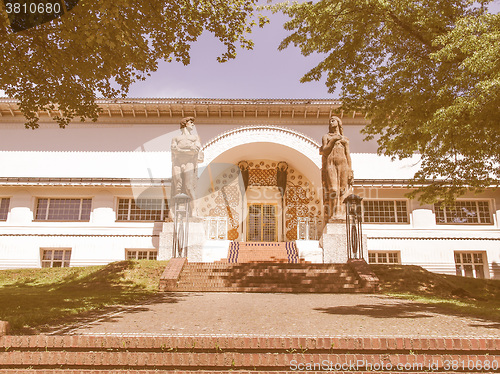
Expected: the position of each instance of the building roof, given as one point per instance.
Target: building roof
(144, 108)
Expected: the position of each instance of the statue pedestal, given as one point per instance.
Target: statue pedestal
(334, 243)
(196, 238)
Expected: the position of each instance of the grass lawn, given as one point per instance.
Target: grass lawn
(30, 298)
(474, 297)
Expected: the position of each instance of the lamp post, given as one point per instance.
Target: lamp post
(353, 227)
(181, 225)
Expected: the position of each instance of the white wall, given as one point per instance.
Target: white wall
(99, 241)
(129, 136)
(425, 243)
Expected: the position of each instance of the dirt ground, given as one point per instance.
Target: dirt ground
(269, 314)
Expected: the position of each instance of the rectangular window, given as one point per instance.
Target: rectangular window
(463, 212)
(63, 209)
(385, 211)
(470, 264)
(215, 228)
(383, 257)
(309, 228)
(142, 210)
(56, 258)
(146, 254)
(4, 208)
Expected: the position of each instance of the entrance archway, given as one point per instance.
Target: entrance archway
(266, 142)
(263, 147)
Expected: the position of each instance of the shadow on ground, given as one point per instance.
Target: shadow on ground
(407, 310)
(111, 314)
(488, 326)
(32, 299)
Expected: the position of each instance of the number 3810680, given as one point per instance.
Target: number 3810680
(26, 7)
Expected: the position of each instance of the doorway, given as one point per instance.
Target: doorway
(262, 223)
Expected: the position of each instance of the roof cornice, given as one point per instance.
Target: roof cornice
(202, 108)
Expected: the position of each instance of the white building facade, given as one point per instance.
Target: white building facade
(99, 192)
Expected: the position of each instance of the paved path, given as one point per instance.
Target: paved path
(199, 313)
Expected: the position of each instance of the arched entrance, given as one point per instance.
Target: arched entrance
(246, 201)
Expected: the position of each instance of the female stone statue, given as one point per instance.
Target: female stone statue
(336, 170)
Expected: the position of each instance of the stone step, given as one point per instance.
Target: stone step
(127, 371)
(295, 272)
(248, 252)
(257, 280)
(290, 272)
(276, 290)
(265, 284)
(300, 267)
(269, 289)
(264, 277)
(268, 277)
(300, 260)
(86, 354)
(283, 274)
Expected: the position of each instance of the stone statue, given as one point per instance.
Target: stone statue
(336, 171)
(186, 154)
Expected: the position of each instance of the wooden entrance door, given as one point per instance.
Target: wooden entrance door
(262, 223)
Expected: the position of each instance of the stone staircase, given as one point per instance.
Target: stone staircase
(240, 252)
(71, 354)
(181, 276)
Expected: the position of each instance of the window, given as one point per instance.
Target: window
(146, 254)
(142, 210)
(4, 208)
(309, 228)
(383, 257)
(56, 258)
(472, 211)
(215, 228)
(385, 211)
(63, 209)
(470, 264)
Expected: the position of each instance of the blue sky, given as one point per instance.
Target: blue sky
(263, 72)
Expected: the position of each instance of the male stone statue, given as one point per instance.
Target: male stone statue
(336, 170)
(186, 154)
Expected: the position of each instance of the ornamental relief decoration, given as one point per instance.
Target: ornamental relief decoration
(301, 201)
(224, 200)
(300, 198)
(262, 177)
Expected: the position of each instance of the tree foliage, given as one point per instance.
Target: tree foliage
(101, 47)
(426, 72)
